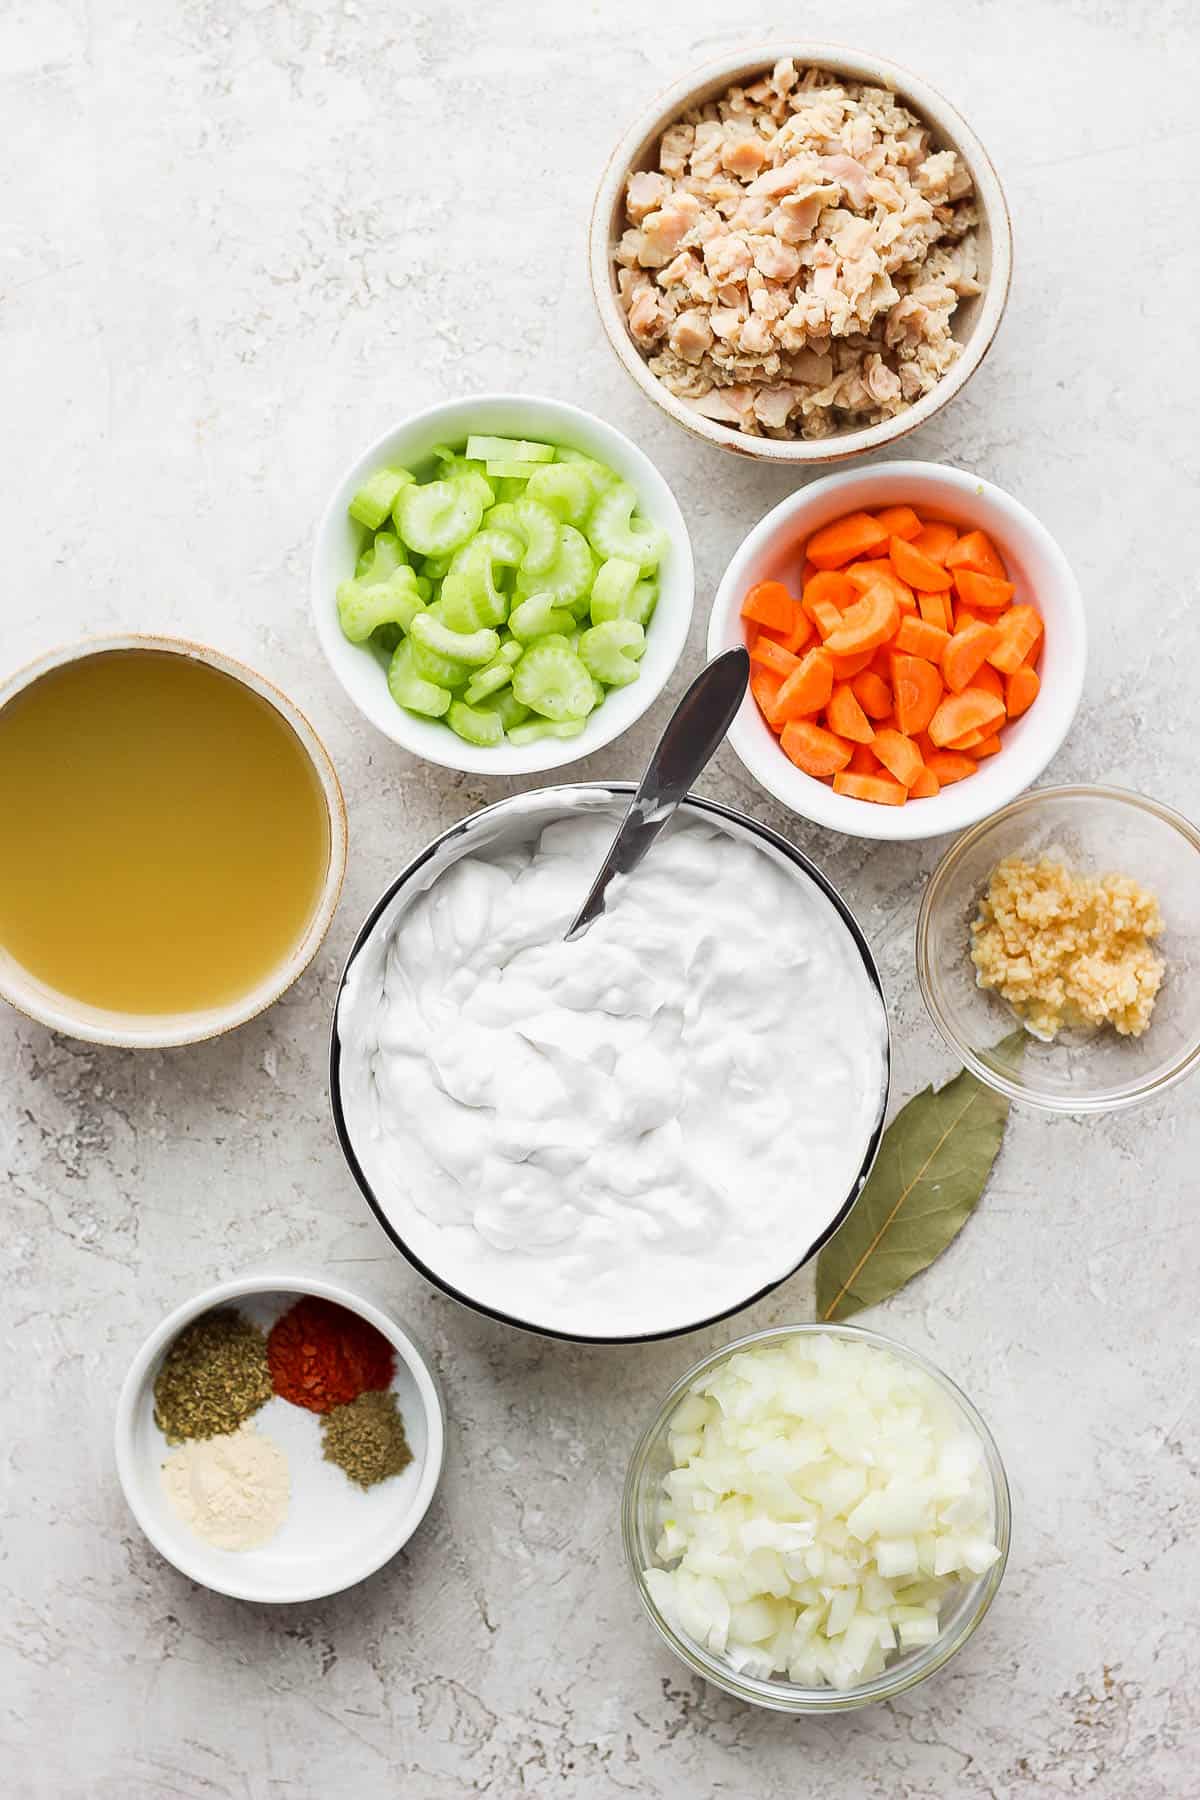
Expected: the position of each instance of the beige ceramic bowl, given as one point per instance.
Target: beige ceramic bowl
(98, 1025)
(975, 320)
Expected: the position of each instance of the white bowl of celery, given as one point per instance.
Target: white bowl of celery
(502, 584)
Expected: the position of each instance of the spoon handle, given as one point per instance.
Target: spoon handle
(693, 733)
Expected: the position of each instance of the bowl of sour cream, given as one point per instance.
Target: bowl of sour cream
(632, 1135)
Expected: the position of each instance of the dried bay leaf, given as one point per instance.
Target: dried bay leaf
(933, 1165)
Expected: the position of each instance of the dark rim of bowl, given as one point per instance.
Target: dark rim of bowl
(616, 790)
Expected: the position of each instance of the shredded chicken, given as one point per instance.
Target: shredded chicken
(793, 265)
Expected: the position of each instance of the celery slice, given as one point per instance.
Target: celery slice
(507, 708)
(364, 606)
(482, 728)
(611, 651)
(410, 690)
(554, 682)
(599, 474)
(570, 575)
(512, 471)
(470, 595)
(488, 681)
(545, 728)
(564, 488)
(539, 528)
(502, 449)
(474, 648)
(612, 529)
(439, 516)
(534, 617)
(613, 589)
(377, 496)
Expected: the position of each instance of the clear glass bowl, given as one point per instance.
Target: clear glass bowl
(1099, 830)
(961, 1613)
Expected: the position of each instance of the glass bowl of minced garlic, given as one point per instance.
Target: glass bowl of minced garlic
(1058, 949)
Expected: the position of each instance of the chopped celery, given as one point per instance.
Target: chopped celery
(377, 496)
(613, 531)
(503, 449)
(512, 471)
(545, 728)
(482, 728)
(473, 647)
(410, 690)
(363, 606)
(611, 651)
(613, 589)
(539, 528)
(439, 516)
(488, 681)
(554, 682)
(564, 488)
(507, 708)
(534, 617)
(570, 575)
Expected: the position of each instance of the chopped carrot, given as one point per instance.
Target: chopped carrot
(1020, 690)
(798, 636)
(965, 651)
(864, 761)
(975, 550)
(966, 615)
(1018, 633)
(880, 788)
(824, 615)
(868, 624)
(935, 539)
(845, 668)
(899, 755)
(918, 688)
(845, 539)
(925, 786)
(845, 716)
(970, 740)
(985, 677)
(830, 584)
(935, 610)
(865, 575)
(899, 521)
(950, 765)
(917, 569)
(806, 690)
(765, 685)
(991, 746)
(984, 592)
(813, 749)
(769, 603)
(970, 710)
(918, 638)
(873, 694)
(773, 656)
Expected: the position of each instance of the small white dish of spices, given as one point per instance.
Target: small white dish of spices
(279, 1437)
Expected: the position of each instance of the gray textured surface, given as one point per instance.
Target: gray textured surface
(239, 239)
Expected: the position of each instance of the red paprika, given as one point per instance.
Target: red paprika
(322, 1356)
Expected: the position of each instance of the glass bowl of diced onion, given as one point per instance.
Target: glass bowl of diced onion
(920, 1619)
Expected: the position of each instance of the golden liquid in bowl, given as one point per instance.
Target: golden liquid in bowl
(164, 837)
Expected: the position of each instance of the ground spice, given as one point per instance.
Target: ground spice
(366, 1438)
(214, 1376)
(321, 1355)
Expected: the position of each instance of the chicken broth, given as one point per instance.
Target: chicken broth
(164, 837)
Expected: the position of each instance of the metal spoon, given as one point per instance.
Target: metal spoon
(693, 734)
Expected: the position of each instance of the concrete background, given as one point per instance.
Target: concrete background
(239, 238)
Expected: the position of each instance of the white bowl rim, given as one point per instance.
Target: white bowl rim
(955, 807)
(97, 1025)
(1084, 1105)
(860, 65)
(504, 759)
(619, 790)
(241, 1287)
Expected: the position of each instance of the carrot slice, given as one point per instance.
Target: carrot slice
(769, 603)
(950, 765)
(918, 688)
(917, 569)
(935, 610)
(765, 686)
(864, 761)
(985, 677)
(970, 740)
(935, 539)
(845, 668)
(1020, 690)
(975, 550)
(806, 690)
(867, 624)
(829, 584)
(879, 788)
(858, 534)
(770, 655)
(958, 714)
(917, 638)
(899, 521)
(966, 615)
(899, 755)
(984, 592)
(798, 636)
(824, 615)
(925, 786)
(990, 746)
(813, 749)
(1018, 633)
(965, 651)
(863, 576)
(873, 694)
(845, 716)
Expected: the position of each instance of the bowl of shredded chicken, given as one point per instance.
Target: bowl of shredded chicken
(802, 255)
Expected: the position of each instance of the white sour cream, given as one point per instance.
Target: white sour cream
(632, 1132)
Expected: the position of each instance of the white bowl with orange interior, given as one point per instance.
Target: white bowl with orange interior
(1041, 578)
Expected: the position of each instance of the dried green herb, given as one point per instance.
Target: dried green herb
(366, 1437)
(932, 1168)
(214, 1376)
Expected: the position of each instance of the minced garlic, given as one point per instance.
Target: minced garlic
(1068, 949)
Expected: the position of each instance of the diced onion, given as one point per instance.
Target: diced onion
(826, 1497)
